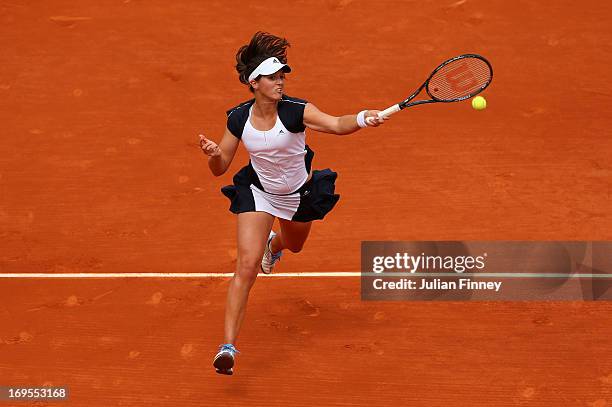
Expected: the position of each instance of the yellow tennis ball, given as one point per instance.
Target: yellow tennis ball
(479, 103)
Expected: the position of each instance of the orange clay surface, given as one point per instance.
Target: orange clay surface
(100, 171)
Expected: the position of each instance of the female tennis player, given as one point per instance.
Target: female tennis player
(278, 181)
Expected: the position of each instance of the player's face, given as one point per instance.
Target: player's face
(272, 85)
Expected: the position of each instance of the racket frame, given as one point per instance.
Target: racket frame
(407, 102)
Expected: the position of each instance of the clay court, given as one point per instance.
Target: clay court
(100, 172)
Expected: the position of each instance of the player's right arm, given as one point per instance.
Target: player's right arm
(220, 156)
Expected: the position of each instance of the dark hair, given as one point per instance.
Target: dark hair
(263, 45)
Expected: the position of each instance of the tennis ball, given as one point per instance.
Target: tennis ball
(479, 103)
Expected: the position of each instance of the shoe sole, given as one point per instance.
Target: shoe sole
(224, 363)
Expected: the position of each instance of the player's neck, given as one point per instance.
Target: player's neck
(265, 108)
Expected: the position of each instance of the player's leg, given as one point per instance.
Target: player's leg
(292, 236)
(253, 229)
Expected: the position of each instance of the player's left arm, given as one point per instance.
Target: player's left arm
(317, 120)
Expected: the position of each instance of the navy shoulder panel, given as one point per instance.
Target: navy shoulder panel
(237, 117)
(291, 113)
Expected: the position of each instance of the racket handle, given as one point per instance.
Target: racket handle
(389, 111)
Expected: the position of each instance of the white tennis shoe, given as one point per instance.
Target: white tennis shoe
(269, 258)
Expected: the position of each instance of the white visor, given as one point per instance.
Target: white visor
(268, 67)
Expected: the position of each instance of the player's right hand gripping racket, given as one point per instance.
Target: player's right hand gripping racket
(457, 79)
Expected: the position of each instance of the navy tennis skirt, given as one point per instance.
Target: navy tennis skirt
(316, 197)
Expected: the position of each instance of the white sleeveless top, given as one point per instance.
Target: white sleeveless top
(277, 155)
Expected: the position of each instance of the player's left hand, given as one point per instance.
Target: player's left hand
(372, 119)
(209, 147)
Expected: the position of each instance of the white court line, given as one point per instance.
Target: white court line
(170, 275)
(307, 274)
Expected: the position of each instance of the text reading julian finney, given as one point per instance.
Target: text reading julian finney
(486, 270)
(435, 284)
(420, 268)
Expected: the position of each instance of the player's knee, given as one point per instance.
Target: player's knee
(245, 279)
(247, 268)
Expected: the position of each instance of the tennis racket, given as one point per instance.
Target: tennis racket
(457, 79)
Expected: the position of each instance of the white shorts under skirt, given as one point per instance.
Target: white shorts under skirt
(281, 206)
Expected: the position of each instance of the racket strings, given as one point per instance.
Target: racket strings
(459, 79)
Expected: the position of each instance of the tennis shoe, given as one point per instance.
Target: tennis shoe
(224, 360)
(269, 258)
